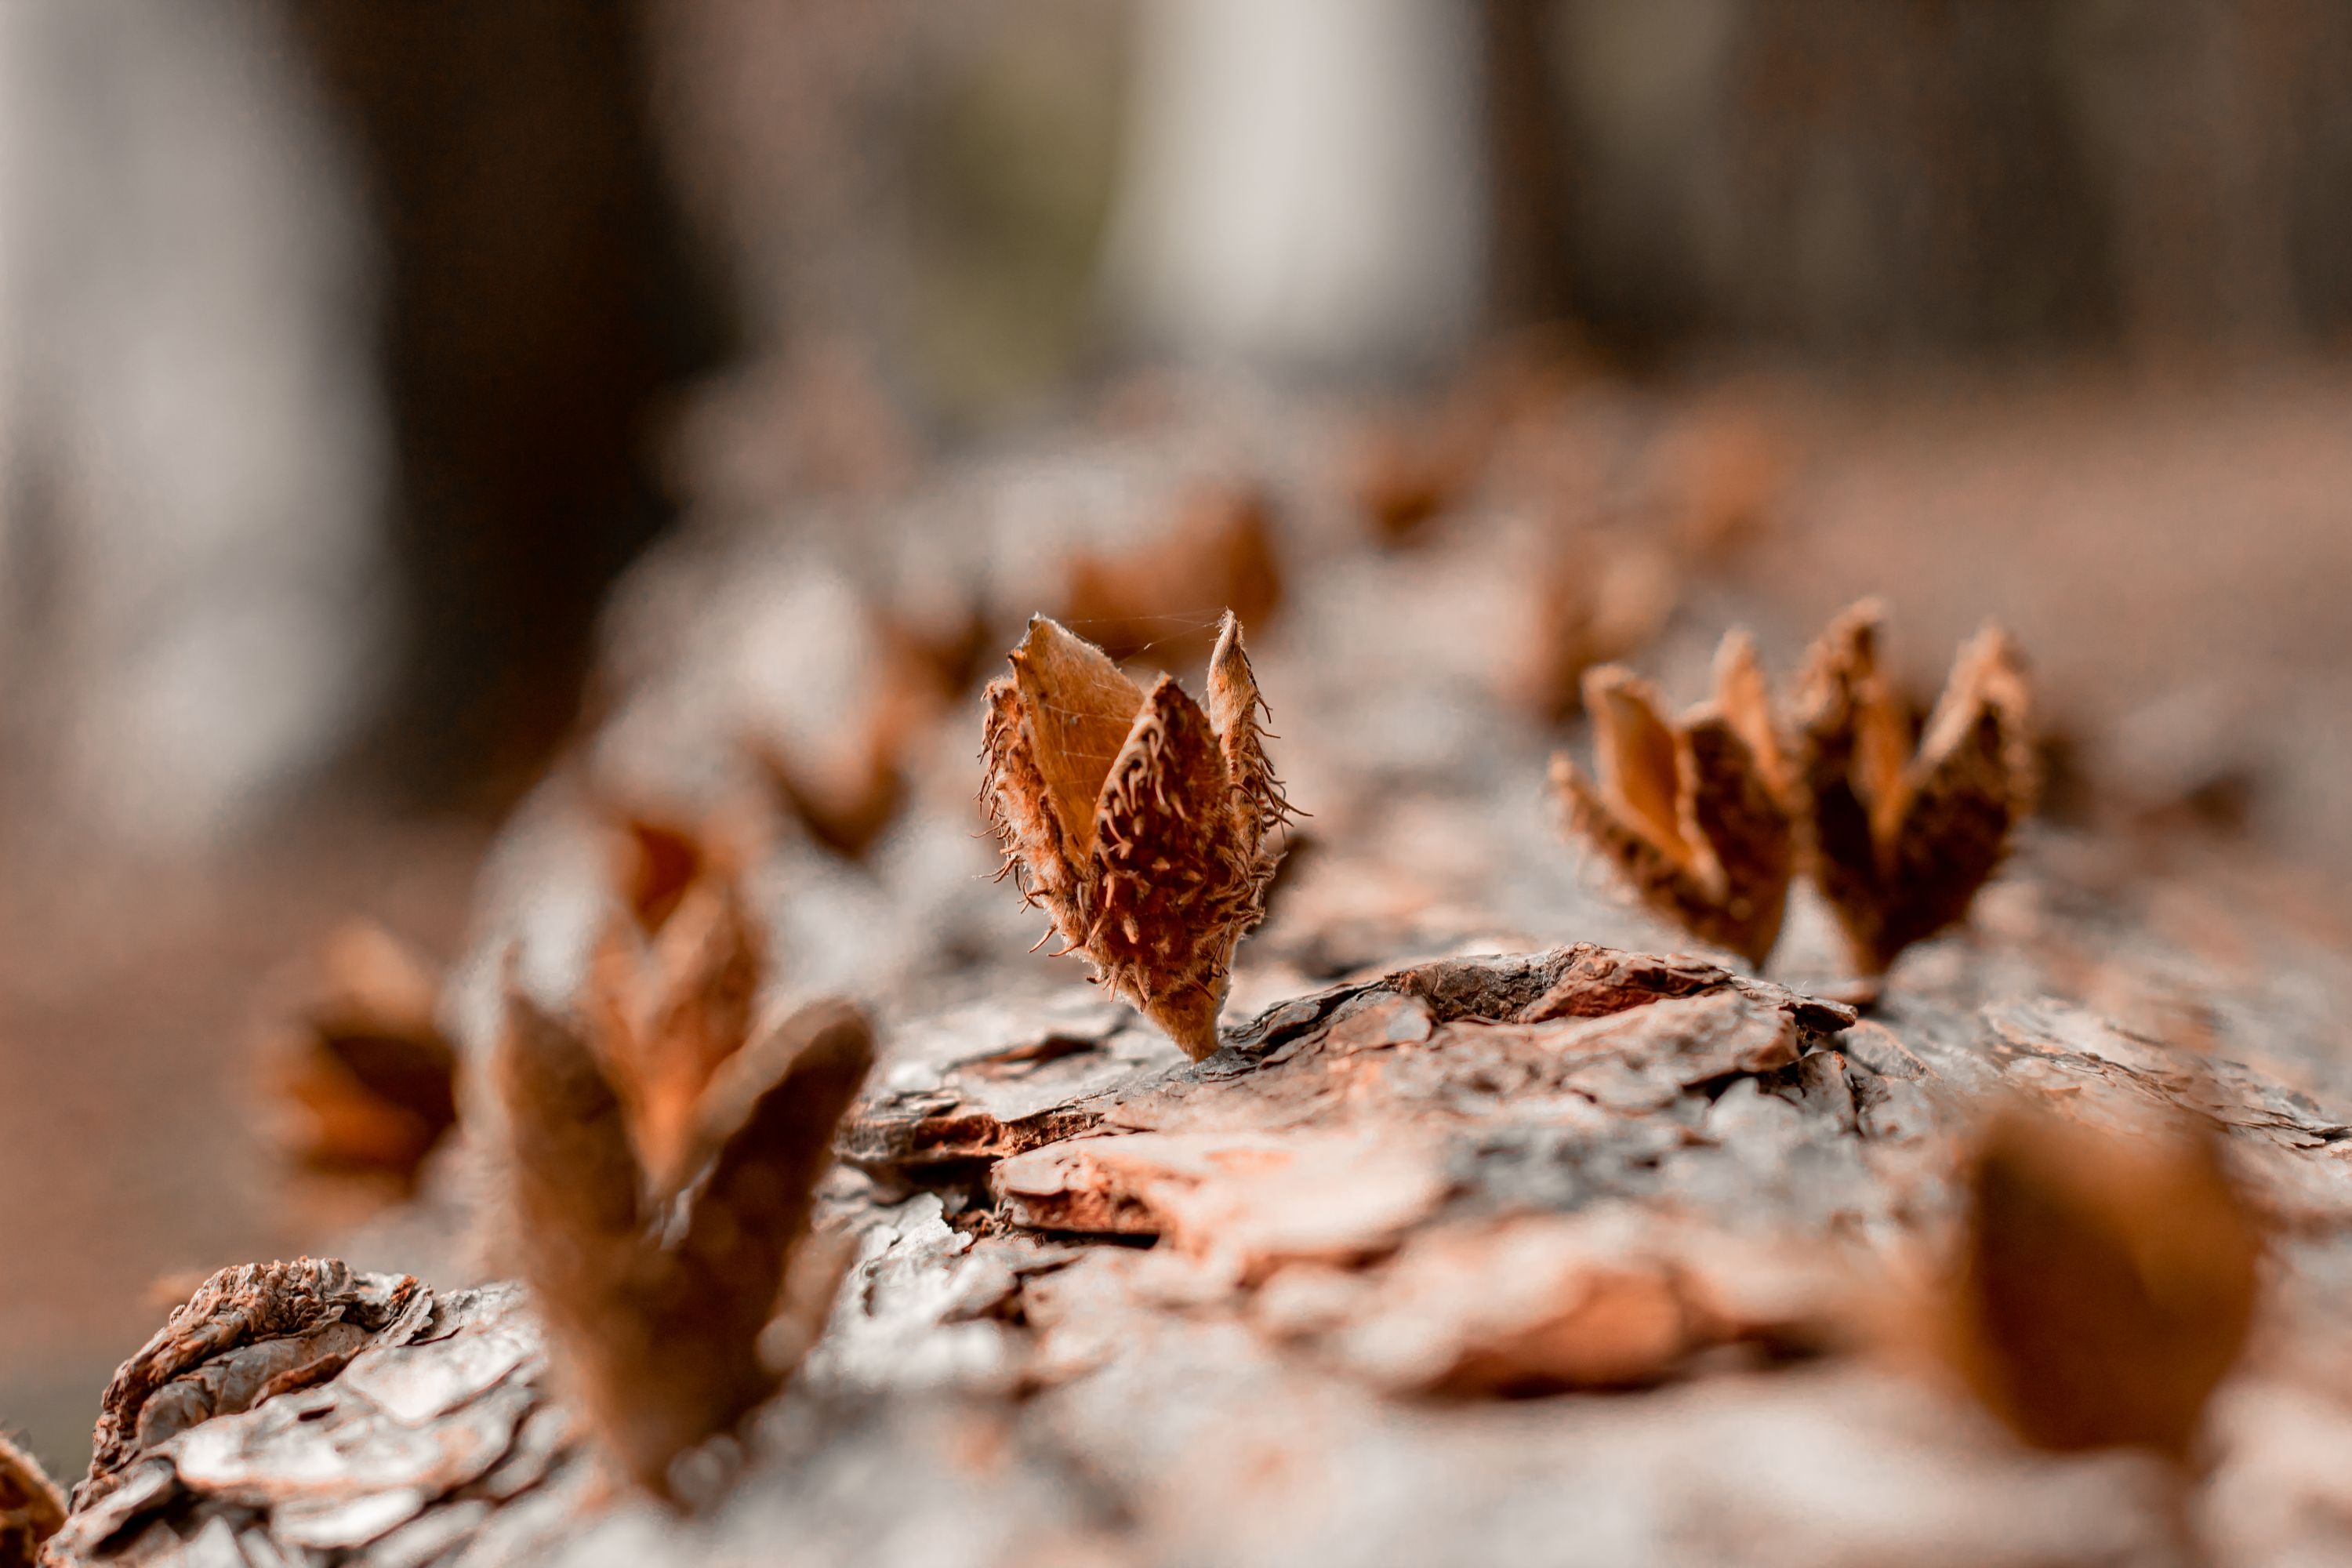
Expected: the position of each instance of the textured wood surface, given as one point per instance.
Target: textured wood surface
(1579, 1256)
(1477, 1240)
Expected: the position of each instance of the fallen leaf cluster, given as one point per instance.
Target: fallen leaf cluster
(1715, 482)
(1402, 475)
(1140, 822)
(1405, 470)
(1707, 817)
(365, 1080)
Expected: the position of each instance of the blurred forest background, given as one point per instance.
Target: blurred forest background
(350, 352)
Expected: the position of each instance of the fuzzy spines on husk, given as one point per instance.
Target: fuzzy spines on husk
(1174, 861)
(1234, 706)
(31, 1507)
(1169, 872)
(1014, 798)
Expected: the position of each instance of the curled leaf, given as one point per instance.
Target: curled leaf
(1689, 810)
(1139, 821)
(2107, 1284)
(1899, 839)
(1719, 477)
(657, 1308)
(1407, 468)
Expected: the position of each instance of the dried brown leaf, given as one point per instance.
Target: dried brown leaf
(658, 1324)
(1719, 478)
(1218, 552)
(1407, 468)
(1152, 856)
(2107, 1284)
(946, 654)
(1685, 809)
(1899, 840)
(847, 800)
(1595, 602)
(848, 811)
(1403, 473)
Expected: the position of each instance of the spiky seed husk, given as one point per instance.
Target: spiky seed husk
(1729, 804)
(1164, 872)
(1745, 697)
(1586, 616)
(663, 1021)
(1684, 809)
(1900, 841)
(2107, 1283)
(658, 1327)
(1235, 705)
(1636, 758)
(1079, 709)
(31, 1507)
(1152, 857)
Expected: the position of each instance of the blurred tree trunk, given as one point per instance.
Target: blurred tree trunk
(1528, 152)
(538, 305)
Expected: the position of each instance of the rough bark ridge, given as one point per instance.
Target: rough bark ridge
(1449, 1245)
(1381, 1205)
